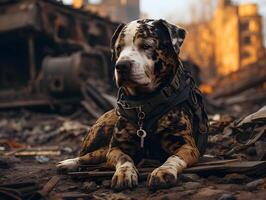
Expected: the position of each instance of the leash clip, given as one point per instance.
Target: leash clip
(141, 133)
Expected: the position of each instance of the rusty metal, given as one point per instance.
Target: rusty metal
(48, 50)
(66, 74)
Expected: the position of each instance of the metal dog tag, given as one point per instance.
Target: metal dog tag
(142, 134)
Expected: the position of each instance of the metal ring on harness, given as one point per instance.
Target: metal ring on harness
(141, 115)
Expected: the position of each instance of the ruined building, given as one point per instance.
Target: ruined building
(49, 52)
(117, 10)
(230, 41)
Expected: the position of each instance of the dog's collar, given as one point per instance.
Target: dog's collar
(175, 93)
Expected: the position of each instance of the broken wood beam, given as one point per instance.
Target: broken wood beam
(75, 195)
(37, 153)
(154, 164)
(254, 98)
(104, 174)
(252, 168)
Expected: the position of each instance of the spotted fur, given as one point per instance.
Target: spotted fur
(151, 48)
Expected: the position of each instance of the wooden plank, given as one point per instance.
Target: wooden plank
(217, 162)
(74, 195)
(102, 167)
(242, 167)
(253, 168)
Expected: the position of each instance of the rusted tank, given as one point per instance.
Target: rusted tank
(48, 50)
(64, 75)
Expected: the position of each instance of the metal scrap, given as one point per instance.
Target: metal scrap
(60, 48)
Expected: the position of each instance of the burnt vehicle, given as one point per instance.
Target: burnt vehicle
(48, 51)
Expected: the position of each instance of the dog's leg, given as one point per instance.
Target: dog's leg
(95, 144)
(126, 174)
(165, 176)
(184, 153)
(95, 157)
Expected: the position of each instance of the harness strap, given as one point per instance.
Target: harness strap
(178, 90)
(181, 90)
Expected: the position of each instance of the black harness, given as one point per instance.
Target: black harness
(145, 112)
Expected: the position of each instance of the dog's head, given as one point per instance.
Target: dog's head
(145, 54)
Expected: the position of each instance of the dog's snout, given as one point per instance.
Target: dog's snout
(123, 66)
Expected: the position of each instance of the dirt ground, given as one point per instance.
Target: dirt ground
(24, 129)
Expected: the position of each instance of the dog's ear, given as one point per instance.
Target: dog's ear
(177, 34)
(114, 38)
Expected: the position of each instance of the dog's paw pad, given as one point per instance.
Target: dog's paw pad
(68, 165)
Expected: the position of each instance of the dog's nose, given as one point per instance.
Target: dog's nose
(123, 66)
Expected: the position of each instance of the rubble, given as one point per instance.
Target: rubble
(47, 188)
(22, 132)
(254, 184)
(191, 185)
(89, 187)
(57, 75)
(239, 92)
(60, 49)
(241, 80)
(23, 190)
(227, 197)
(189, 177)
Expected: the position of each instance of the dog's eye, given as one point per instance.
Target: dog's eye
(145, 46)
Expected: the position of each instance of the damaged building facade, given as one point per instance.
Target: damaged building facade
(116, 10)
(231, 41)
(55, 49)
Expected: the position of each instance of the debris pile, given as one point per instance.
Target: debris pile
(242, 91)
(56, 50)
(33, 142)
(242, 138)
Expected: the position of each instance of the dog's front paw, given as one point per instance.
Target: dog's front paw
(126, 176)
(162, 177)
(68, 165)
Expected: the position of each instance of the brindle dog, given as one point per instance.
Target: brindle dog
(146, 57)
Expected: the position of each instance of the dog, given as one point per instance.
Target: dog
(159, 114)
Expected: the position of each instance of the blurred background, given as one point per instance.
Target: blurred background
(217, 29)
(52, 49)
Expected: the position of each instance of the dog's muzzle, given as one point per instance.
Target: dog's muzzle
(123, 67)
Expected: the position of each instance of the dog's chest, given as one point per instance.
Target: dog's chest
(174, 123)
